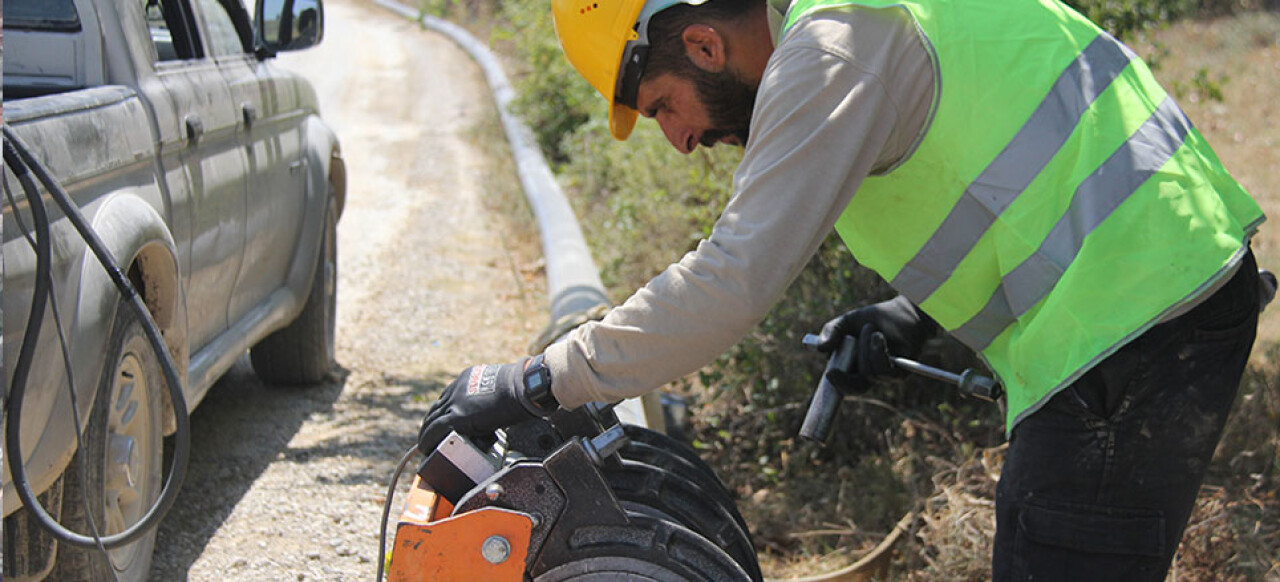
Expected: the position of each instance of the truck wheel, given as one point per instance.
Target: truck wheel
(123, 451)
(302, 352)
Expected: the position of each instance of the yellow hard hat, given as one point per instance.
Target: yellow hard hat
(603, 38)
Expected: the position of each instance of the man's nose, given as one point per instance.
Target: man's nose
(680, 137)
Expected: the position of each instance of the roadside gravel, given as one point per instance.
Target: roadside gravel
(288, 484)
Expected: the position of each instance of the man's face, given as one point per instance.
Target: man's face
(707, 109)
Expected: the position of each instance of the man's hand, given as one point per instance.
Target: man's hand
(898, 323)
(481, 400)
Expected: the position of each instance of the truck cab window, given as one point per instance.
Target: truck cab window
(224, 39)
(44, 15)
(170, 24)
(45, 49)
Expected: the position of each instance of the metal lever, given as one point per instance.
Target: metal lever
(970, 382)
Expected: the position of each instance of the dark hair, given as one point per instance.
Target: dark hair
(666, 48)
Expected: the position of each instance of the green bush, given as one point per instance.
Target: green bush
(643, 203)
(551, 97)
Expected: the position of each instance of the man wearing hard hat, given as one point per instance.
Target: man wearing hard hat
(1015, 173)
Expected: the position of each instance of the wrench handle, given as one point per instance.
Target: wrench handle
(820, 418)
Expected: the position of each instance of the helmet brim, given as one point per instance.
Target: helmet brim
(622, 120)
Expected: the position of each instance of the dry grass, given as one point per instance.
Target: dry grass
(958, 520)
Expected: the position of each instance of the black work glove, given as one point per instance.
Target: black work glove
(481, 400)
(902, 330)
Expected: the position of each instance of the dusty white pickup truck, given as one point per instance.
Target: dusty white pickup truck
(210, 176)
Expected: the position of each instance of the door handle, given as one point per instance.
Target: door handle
(195, 128)
(249, 113)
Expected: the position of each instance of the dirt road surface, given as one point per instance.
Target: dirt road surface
(288, 484)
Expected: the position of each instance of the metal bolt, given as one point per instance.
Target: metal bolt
(605, 444)
(493, 491)
(496, 550)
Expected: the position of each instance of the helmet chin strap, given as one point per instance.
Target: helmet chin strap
(635, 53)
(634, 58)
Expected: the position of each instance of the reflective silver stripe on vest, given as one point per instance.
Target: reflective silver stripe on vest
(1009, 174)
(1140, 157)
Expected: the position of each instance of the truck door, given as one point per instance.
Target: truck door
(269, 130)
(210, 155)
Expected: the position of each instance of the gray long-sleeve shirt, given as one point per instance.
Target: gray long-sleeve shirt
(846, 94)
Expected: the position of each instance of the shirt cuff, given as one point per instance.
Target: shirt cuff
(567, 388)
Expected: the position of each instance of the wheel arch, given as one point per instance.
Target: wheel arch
(140, 242)
(325, 157)
(326, 178)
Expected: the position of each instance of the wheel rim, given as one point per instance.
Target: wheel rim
(127, 487)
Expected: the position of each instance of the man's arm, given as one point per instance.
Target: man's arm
(826, 117)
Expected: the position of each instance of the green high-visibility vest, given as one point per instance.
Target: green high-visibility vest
(1059, 203)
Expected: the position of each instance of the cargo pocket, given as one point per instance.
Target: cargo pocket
(1080, 542)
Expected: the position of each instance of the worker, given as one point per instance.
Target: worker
(1014, 172)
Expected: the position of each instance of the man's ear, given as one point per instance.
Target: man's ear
(705, 47)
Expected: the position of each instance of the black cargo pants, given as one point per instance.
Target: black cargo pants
(1100, 482)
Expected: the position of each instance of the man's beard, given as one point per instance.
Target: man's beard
(729, 102)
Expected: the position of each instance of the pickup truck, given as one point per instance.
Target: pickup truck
(215, 184)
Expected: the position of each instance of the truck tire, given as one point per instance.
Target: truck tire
(123, 456)
(302, 353)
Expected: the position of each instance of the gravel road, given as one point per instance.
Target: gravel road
(288, 484)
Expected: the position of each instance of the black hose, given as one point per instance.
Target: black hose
(19, 158)
(386, 511)
(83, 465)
(39, 298)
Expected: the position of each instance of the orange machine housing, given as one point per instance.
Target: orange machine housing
(488, 544)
